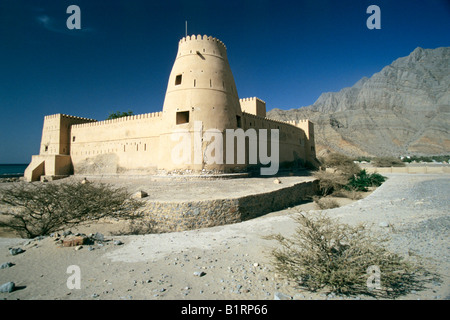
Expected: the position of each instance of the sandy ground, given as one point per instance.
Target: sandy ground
(227, 262)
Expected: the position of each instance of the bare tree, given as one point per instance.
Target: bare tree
(39, 209)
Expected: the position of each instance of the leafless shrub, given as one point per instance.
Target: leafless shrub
(337, 170)
(324, 254)
(326, 203)
(342, 164)
(330, 182)
(39, 209)
(350, 194)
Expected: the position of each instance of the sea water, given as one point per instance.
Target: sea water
(12, 170)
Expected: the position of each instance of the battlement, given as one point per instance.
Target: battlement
(65, 116)
(121, 119)
(251, 99)
(294, 123)
(203, 45)
(202, 38)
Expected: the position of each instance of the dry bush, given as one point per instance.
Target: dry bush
(324, 254)
(350, 194)
(343, 164)
(330, 182)
(387, 162)
(338, 170)
(38, 209)
(325, 203)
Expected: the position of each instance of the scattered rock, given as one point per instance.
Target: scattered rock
(74, 241)
(15, 251)
(277, 181)
(383, 224)
(6, 265)
(281, 296)
(140, 194)
(199, 273)
(118, 242)
(7, 287)
(84, 181)
(98, 237)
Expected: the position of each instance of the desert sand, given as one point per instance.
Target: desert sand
(230, 262)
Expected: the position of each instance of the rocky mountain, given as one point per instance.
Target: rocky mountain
(403, 109)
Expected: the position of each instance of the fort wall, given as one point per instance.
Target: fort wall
(127, 144)
(201, 89)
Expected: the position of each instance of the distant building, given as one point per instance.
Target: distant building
(201, 90)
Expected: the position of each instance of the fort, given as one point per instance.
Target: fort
(201, 89)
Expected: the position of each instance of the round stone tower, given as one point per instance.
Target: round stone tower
(201, 96)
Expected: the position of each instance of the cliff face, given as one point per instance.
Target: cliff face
(403, 109)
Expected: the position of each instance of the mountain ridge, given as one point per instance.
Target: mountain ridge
(404, 109)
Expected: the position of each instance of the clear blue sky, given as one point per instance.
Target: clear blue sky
(284, 52)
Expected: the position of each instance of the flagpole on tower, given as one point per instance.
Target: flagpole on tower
(186, 28)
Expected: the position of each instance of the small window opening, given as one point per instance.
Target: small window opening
(238, 120)
(195, 82)
(182, 117)
(73, 139)
(178, 79)
(46, 148)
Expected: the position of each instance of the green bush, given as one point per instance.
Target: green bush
(119, 114)
(364, 180)
(324, 254)
(366, 159)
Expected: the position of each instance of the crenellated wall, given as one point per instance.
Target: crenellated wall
(294, 143)
(128, 144)
(254, 106)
